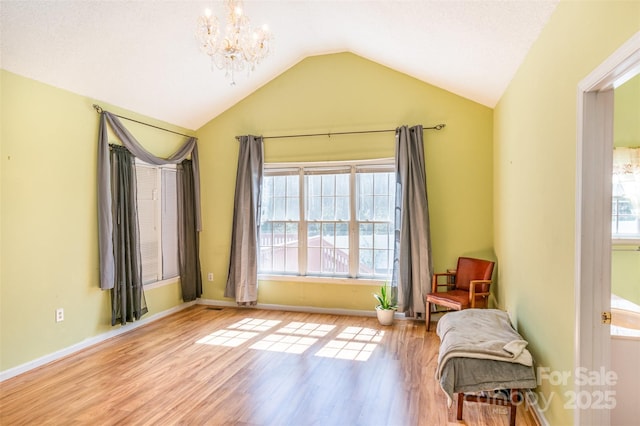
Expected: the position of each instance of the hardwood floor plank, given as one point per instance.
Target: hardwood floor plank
(247, 367)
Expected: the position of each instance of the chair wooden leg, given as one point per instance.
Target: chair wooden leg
(428, 315)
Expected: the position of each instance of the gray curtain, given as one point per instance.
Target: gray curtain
(413, 266)
(127, 298)
(188, 237)
(191, 279)
(242, 282)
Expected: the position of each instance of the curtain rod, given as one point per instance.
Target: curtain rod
(436, 127)
(99, 110)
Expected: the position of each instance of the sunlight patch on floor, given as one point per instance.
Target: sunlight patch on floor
(283, 343)
(353, 343)
(350, 343)
(254, 324)
(230, 338)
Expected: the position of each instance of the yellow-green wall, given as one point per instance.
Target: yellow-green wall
(534, 180)
(48, 197)
(626, 121)
(342, 92)
(625, 259)
(49, 220)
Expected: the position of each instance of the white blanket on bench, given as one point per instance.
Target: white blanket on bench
(480, 334)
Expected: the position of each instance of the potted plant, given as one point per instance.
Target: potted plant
(386, 308)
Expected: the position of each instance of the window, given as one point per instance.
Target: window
(158, 221)
(333, 220)
(625, 206)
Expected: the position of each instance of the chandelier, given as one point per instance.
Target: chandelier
(240, 47)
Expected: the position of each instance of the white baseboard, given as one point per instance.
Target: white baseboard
(290, 308)
(23, 368)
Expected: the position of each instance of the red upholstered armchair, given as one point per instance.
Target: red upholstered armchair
(467, 286)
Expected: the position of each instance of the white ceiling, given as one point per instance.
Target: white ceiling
(143, 56)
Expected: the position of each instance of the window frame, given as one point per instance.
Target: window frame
(625, 190)
(354, 166)
(159, 222)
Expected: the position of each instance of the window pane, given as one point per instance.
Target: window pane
(381, 207)
(293, 208)
(380, 183)
(279, 186)
(313, 236)
(147, 197)
(376, 249)
(170, 267)
(313, 260)
(342, 235)
(314, 208)
(314, 185)
(365, 207)
(328, 234)
(366, 262)
(266, 247)
(328, 208)
(279, 247)
(328, 185)
(365, 183)
(293, 185)
(342, 184)
(342, 208)
(279, 212)
(381, 262)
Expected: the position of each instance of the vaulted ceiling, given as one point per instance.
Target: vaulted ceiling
(143, 55)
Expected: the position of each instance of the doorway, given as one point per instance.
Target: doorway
(593, 219)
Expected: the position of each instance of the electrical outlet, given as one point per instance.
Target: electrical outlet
(59, 315)
(210, 276)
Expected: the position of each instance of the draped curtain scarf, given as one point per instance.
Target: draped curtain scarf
(242, 281)
(412, 267)
(188, 207)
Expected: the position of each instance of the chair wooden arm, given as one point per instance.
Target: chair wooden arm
(472, 291)
(434, 280)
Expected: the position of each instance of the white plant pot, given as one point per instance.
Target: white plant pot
(385, 316)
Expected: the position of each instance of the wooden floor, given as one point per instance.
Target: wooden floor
(247, 367)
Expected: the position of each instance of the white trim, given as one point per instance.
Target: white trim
(291, 308)
(323, 280)
(23, 368)
(162, 283)
(388, 161)
(593, 213)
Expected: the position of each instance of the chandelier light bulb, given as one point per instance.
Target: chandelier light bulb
(240, 47)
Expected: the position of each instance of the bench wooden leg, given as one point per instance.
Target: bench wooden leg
(512, 403)
(513, 399)
(460, 405)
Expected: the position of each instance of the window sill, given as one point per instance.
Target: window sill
(625, 241)
(322, 280)
(162, 283)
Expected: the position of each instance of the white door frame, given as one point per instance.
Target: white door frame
(593, 216)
